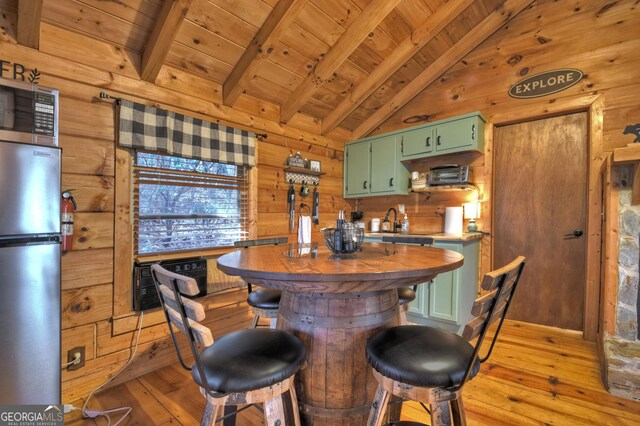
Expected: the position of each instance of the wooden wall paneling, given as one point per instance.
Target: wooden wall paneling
(144, 92)
(86, 305)
(63, 42)
(405, 50)
(86, 156)
(92, 193)
(29, 12)
(123, 233)
(610, 288)
(471, 40)
(83, 335)
(188, 58)
(92, 231)
(340, 51)
(164, 32)
(84, 268)
(207, 14)
(81, 118)
(255, 13)
(65, 13)
(278, 22)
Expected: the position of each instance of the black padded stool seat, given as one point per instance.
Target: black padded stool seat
(421, 356)
(245, 360)
(406, 295)
(264, 298)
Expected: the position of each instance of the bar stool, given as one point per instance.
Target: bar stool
(264, 302)
(242, 367)
(406, 295)
(430, 365)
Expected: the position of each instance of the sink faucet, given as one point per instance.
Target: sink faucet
(396, 225)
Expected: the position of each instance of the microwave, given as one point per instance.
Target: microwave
(450, 174)
(28, 113)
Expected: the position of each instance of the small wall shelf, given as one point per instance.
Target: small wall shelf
(302, 174)
(630, 154)
(446, 188)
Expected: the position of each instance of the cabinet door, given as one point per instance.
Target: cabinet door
(383, 165)
(457, 135)
(418, 141)
(443, 297)
(420, 306)
(357, 169)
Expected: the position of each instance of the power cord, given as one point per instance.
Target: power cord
(86, 412)
(76, 360)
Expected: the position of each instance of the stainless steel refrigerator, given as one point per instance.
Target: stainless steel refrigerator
(30, 361)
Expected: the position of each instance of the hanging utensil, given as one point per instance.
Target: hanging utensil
(291, 205)
(316, 201)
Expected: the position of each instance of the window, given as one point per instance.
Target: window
(185, 204)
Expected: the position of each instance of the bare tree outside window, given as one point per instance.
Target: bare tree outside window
(186, 204)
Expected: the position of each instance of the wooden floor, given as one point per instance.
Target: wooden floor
(536, 375)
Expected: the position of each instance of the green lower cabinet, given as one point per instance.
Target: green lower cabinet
(446, 301)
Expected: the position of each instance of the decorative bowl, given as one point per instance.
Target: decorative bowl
(345, 240)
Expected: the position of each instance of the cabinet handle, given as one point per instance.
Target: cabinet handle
(438, 141)
(364, 185)
(428, 141)
(402, 145)
(473, 131)
(391, 182)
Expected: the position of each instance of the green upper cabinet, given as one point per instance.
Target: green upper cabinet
(357, 173)
(371, 168)
(417, 141)
(457, 134)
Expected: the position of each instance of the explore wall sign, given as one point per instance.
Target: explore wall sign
(545, 83)
(16, 71)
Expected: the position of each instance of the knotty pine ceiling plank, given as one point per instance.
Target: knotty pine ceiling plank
(340, 51)
(471, 40)
(167, 26)
(276, 24)
(29, 13)
(392, 63)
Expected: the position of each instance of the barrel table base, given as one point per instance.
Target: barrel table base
(337, 386)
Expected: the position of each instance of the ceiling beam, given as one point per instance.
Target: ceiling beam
(29, 12)
(353, 36)
(168, 24)
(276, 24)
(466, 44)
(392, 63)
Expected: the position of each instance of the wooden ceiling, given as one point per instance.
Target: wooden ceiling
(348, 63)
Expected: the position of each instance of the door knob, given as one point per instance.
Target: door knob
(576, 233)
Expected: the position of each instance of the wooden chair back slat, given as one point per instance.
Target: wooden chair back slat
(492, 306)
(423, 241)
(511, 270)
(193, 309)
(260, 242)
(186, 285)
(201, 334)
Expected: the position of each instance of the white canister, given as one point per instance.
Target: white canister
(375, 225)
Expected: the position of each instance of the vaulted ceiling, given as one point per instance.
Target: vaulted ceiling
(347, 63)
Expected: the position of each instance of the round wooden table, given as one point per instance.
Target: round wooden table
(334, 304)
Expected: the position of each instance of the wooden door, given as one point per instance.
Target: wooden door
(540, 190)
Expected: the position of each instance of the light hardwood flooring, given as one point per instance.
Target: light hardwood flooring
(536, 375)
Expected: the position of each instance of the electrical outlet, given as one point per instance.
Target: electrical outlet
(400, 208)
(72, 354)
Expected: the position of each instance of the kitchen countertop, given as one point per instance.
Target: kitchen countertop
(467, 236)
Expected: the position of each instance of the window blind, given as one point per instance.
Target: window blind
(186, 204)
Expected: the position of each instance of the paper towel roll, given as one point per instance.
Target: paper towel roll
(453, 220)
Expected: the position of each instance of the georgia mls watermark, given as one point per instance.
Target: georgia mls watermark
(31, 415)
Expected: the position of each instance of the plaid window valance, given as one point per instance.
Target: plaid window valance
(155, 129)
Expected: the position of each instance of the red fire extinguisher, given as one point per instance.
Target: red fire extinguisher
(67, 207)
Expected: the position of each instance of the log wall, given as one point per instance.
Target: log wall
(80, 67)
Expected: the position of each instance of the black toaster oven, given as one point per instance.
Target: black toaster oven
(449, 174)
